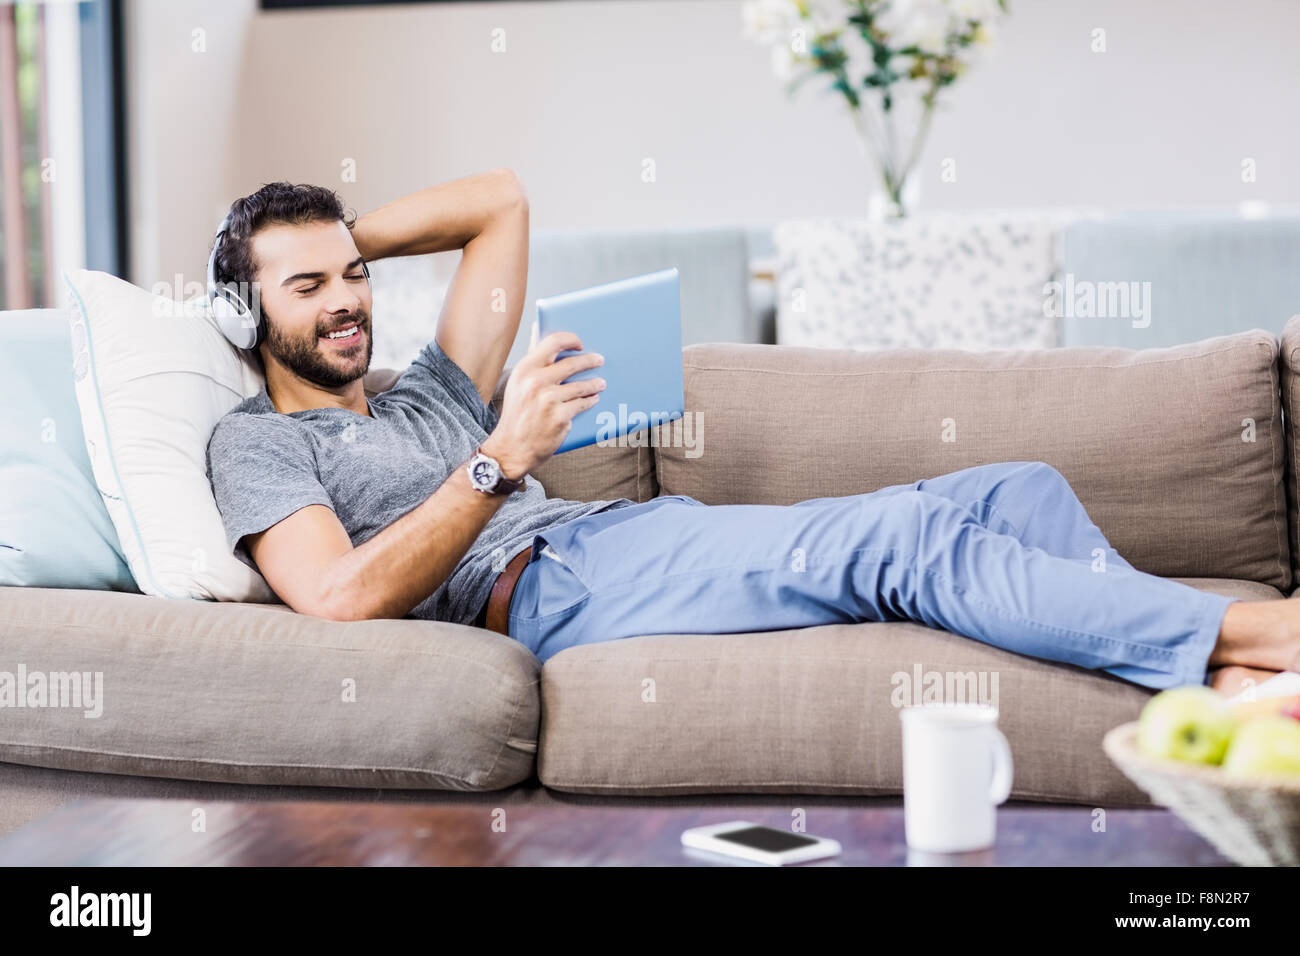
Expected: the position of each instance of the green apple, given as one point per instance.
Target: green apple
(1193, 724)
(1265, 745)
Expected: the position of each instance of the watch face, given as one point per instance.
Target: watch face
(484, 473)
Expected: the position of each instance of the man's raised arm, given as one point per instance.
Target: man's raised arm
(486, 215)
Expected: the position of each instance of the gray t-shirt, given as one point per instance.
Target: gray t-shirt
(265, 465)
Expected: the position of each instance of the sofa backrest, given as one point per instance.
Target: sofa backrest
(1176, 453)
(1289, 372)
(1215, 272)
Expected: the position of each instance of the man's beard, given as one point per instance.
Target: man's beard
(303, 356)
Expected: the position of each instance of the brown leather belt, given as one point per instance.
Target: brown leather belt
(495, 615)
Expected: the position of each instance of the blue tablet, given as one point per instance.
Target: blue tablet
(636, 324)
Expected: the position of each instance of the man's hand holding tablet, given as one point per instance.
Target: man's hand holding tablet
(538, 406)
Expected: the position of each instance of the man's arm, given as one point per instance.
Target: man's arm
(310, 563)
(486, 215)
(308, 558)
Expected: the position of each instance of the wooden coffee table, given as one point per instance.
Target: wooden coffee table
(116, 832)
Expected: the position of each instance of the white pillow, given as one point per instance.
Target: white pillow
(153, 377)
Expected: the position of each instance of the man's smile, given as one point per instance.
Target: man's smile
(345, 336)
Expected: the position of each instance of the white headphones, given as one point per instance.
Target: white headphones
(235, 316)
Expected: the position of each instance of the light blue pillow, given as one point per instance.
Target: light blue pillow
(54, 529)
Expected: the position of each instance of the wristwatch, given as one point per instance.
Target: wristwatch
(485, 475)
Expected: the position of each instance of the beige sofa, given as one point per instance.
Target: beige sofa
(1179, 455)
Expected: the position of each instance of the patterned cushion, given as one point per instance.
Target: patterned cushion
(408, 294)
(961, 281)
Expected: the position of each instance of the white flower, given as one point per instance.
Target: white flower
(783, 61)
(924, 24)
(981, 10)
(828, 15)
(769, 21)
(985, 34)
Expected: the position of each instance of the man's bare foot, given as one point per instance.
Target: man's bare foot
(1264, 635)
(1230, 681)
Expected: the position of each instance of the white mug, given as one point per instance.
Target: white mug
(956, 770)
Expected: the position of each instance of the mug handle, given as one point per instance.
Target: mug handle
(1003, 768)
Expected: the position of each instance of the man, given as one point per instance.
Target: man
(410, 504)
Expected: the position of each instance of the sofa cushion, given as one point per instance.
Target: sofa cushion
(815, 710)
(152, 378)
(54, 529)
(1176, 453)
(1289, 370)
(253, 693)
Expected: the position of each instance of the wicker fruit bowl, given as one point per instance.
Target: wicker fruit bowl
(1255, 822)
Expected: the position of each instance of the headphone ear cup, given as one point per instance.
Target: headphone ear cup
(222, 309)
(235, 319)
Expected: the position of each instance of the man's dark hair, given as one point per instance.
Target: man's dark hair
(273, 204)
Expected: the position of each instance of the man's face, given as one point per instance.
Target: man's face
(311, 284)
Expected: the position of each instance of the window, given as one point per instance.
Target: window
(62, 184)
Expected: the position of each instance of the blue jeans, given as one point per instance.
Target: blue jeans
(1002, 553)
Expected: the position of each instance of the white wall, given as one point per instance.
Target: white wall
(183, 153)
(588, 88)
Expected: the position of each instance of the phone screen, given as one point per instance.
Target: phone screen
(766, 838)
